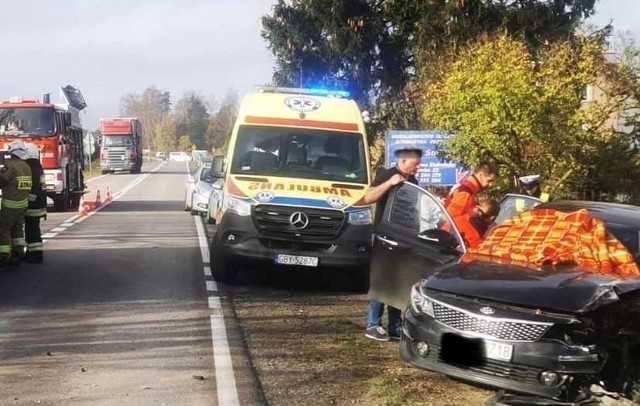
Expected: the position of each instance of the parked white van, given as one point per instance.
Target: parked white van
(179, 156)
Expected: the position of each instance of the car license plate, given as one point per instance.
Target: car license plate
(498, 351)
(296, 260)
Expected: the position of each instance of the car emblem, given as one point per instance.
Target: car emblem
(302, 104)
(299, 220)
(336, 202)
(487, 310)
(264, 196)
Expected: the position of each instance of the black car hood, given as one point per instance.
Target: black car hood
(563, 288)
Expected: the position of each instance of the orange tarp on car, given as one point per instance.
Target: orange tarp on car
(546, 236)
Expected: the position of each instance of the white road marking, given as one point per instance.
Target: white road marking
(77, 219)
(211, 286)
(225, 381)
(207, 271)
(226, 388)
(214, 302)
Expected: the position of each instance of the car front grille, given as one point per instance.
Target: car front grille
(274, 221)
(500, 329)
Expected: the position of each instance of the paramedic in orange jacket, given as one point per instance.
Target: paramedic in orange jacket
(474, 225)
(463, 197)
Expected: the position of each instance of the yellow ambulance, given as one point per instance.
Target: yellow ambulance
(295, 175)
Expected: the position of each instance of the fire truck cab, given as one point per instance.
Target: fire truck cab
(57, 131)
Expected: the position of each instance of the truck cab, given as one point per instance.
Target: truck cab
(121, 145)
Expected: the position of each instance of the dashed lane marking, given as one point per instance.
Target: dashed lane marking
(211, 286)
(79, 219)
(226, 388)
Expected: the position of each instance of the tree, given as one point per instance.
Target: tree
(149, 107)
(375, 49)
(221, 124)
(184, 143)
(166, 134)
(526, 113)
(192, 118)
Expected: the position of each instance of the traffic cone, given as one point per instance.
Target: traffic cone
(109, 197)
(82, 209)
(98, 201)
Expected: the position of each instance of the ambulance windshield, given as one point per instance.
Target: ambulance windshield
(300, 153)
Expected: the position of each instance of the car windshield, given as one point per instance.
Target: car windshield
(629, 237)
(300, 153)
(117, 141)
(34, 121)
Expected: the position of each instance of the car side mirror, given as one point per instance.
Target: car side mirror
(438, 237)
(191, 179)
(216, 186)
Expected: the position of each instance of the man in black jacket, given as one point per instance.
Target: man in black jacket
(37, 208)
(405, 170)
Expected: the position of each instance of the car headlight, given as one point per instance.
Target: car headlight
(237, 206)
(420, 303)
(361, 217)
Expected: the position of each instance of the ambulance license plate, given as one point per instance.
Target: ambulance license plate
(298, 260)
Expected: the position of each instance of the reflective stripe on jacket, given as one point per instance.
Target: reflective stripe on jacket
(36, 212)
(15, 181)
(38, 195)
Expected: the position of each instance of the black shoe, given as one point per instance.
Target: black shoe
(34, 257)
(376, 333)
(33, 260)
(14, 261)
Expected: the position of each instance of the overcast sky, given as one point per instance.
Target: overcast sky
(110, 48)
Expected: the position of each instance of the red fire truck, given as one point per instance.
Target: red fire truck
(57, 131)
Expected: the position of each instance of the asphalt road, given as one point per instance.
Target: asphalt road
(124, 310)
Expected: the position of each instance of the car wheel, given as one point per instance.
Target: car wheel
(359, 280)
(208, 219)
(193, 212)
(187, 204)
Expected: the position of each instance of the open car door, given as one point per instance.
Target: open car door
(414, 237)
(512, 204)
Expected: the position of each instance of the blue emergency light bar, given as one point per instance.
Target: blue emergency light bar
(309, 91)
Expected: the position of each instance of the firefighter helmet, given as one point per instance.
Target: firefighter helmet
(32, 152)
(18, 149)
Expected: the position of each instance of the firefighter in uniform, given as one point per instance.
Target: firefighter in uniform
(37, 208)
(15, 182)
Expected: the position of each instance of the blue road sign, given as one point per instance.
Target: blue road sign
(434, 171)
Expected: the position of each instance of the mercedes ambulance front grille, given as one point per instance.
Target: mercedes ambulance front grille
(276, 221)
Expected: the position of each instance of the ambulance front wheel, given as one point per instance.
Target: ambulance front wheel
(222, 270)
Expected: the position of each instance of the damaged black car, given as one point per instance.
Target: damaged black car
(550, 333)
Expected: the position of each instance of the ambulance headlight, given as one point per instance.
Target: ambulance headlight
(237, 206)
(361, 217)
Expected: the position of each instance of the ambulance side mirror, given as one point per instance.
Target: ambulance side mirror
(217, 165)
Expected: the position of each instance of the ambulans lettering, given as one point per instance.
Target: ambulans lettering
(297, 187)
